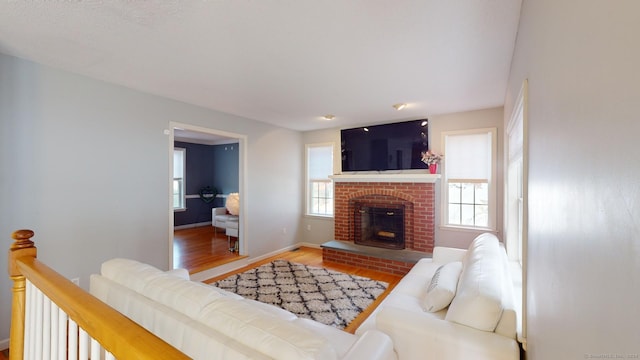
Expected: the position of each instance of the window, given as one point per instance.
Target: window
(319, 185)
(179, 163)
(468, 203)
(516, 204)
(469, 178)
(514, 192)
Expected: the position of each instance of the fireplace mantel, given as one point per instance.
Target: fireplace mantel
(387, 178)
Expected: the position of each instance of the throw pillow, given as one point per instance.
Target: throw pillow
(443, 286)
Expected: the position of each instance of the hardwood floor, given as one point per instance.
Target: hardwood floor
(313, 257)
(198, 249)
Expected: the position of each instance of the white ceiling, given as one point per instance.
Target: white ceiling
(284, 62)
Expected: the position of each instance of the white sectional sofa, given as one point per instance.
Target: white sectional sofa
(205, 322)
(480, 322)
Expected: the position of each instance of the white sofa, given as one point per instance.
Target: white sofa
(479, 324)
(205, 322)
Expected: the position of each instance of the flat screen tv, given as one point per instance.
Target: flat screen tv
(394, 146)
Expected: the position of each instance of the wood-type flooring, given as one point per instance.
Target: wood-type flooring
(197, 249)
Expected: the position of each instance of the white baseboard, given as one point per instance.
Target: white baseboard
(273, 253)
(219, 270)
(4, 344)
(229, 267)
(311, 245)
(189, 226)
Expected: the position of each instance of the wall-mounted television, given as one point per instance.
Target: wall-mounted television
(394, 146)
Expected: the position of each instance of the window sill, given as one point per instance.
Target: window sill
(320, 217)
(179, 209)
(467, 228)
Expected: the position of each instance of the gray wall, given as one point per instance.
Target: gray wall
(581, 60)
(85, 164)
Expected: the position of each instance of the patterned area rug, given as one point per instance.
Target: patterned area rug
(327, 296)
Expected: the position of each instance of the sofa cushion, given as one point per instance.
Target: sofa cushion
(187, 297)
(227, 217)
(261, 330)
(478, 301)
(341, 341)
(130, 273)
(507, 326)
(442, 287)
(195, 339)
(181, 273)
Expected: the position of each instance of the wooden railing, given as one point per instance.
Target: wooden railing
(47, 307)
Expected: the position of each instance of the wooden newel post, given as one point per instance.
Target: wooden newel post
(22, 247)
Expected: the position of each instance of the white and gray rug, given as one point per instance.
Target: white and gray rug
(323, 295)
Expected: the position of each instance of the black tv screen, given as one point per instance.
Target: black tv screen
(395, 146)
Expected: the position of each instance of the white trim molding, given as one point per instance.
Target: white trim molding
(394, 178)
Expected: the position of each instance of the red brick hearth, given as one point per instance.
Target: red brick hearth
(368, 262)
(418, 199)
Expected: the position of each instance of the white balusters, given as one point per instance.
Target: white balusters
(29, 321)
(62, 334)
(50, 334)
(96, 349)
(37, 339)
(55, 330)
(83, 352)
(46, 327)
(73, 340)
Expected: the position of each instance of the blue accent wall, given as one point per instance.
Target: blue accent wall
(226, 167)
(207, 165)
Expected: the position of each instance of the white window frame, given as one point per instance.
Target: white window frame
(516, 205)
(183, 202)
(515, 185)
(492, 181)
(327, 181)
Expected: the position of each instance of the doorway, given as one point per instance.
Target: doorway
(212, 175)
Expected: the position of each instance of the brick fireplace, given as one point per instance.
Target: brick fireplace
(415, 193)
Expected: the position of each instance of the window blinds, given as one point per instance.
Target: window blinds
(320, 162)
(468, 156)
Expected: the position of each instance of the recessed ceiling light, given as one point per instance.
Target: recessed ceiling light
(399, 106)
(424, 123)
(329, 117)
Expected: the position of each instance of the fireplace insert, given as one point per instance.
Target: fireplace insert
(379, 226)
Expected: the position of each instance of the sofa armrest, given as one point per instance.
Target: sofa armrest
(219, 211)
(216, 212)
(420, 336)
(372, 345)
(443, 255)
